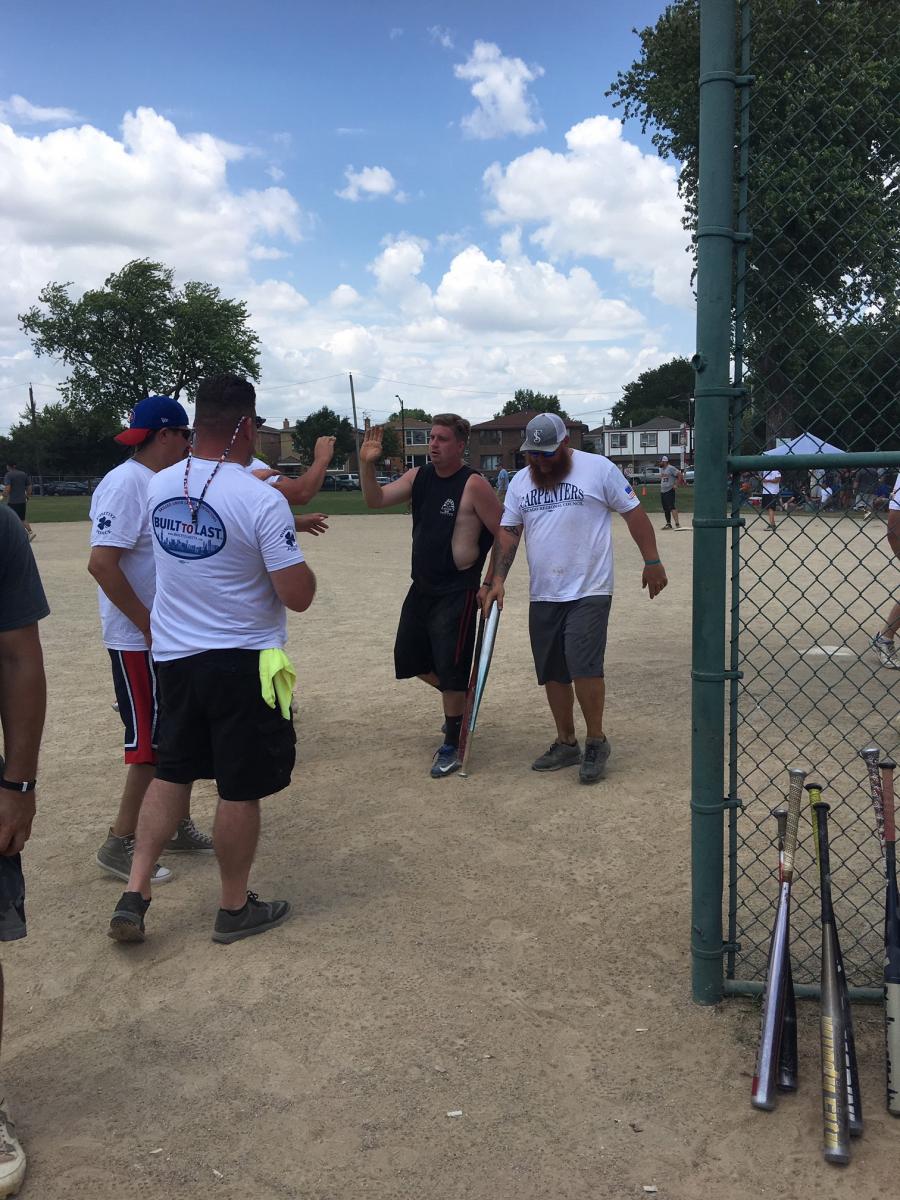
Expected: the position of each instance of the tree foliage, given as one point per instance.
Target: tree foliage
(824, 196)
(663, 391)
(63, 440)
(411, 414)
(324, 423)
(525, 400)
(139, 335)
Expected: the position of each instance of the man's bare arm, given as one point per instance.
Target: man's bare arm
(104, 564)
(23, 706)
(506, 543)
(376, 496)
(893, 531)
(653, 577)
(302, 489)
(484, 500)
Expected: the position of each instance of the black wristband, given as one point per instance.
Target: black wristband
(27, 785)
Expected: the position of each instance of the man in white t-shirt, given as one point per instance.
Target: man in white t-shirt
(883, 642)
(227, 566)
(563, 501)
(771, 489)
(121, 561)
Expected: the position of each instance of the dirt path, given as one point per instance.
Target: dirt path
(511, 946)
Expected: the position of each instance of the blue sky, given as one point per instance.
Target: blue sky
(436, 197)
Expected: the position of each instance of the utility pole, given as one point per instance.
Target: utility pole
(402, 434)
(37, 448)
(355, 426)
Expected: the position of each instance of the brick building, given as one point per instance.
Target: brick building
(495, 444)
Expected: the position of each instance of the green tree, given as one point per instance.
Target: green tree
(323, 423)
(411, 414)
(663, 391)
(525, 400)
(63, 440)
(138, 335)
(824, 205)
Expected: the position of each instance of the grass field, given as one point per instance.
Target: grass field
(336, 504)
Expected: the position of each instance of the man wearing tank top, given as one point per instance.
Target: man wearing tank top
(455, 515)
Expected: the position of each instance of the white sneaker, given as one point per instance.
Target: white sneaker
(887, 653)
(12, 1156)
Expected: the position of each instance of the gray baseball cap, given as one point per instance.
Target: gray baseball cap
(545, 432)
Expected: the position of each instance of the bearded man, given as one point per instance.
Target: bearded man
(563, 504)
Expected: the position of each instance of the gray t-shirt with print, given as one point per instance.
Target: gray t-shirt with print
(668, 478)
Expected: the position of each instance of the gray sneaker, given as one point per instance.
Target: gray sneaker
(559, 755)
(189, 839)
(255, 917)
(886, 651)
(596, 756)
(115, 856)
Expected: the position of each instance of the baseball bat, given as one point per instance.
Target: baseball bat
(891, 942)
(835, 1106)
(772, 1023)
(470, 690)
(482, 666)
(788, 1058)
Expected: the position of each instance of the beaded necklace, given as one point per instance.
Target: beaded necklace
(187, 470)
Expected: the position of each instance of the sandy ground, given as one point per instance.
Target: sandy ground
(511, 946)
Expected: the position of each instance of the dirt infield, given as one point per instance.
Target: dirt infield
(510, 947)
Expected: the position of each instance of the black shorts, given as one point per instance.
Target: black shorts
(19, 510)
(669, 501)
(568, 638)
(437, 634)
(217, 726)
(767, 501)
(12, 898)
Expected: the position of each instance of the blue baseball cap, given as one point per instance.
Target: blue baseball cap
(154, 412)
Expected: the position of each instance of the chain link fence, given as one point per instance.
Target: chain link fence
(817, 377)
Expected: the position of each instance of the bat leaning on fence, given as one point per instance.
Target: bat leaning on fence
(775, 992)
(891, 942)
(788, 1059)
(481, 665)
(834, 1010)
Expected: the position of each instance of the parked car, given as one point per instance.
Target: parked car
(689, 475)
(66, 487)
(647, 475)
(339, 483)
(383, 479)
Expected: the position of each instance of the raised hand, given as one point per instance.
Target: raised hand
(371, 449)
(324, 448)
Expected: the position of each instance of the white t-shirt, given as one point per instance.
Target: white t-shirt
(771, 483)
(213, 590)
(567, 529)
(119, 518)
(895, 495)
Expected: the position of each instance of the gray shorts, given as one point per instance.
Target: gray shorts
(568, 638)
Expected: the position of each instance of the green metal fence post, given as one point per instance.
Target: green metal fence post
(715, 246)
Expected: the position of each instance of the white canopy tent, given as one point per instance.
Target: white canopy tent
(806, 443)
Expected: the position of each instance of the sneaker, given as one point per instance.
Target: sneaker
(596, 756)
(115, 856)
(127, 924)
(667, 526)
(560, 754)
(189, 839)
(446, 761)
(887, 653)
(12, 1156)
(255, 917)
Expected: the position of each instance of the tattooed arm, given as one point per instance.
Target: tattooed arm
(506, 543)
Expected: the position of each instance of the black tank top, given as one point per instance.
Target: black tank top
(435, 506)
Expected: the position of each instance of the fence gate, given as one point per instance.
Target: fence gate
(798, 397)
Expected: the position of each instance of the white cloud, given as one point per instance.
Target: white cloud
(441, 35)
(275, 173)
(19, 111)
(344, 296)
(603, 198)
(368, 184)
(500, 85)
(484, 294)
(349, 131)
(396, 32)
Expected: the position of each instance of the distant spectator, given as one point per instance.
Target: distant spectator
(771, 488)
(502, 482)
(866, 489)
(17, 491)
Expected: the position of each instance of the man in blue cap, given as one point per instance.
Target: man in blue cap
(122, 563)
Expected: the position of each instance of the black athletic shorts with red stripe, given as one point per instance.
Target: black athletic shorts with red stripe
(137, 694)
(436, 635)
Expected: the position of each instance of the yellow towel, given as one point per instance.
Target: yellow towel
(277, 678)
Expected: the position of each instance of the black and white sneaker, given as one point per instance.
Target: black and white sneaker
(446, 761)
(255, 917)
